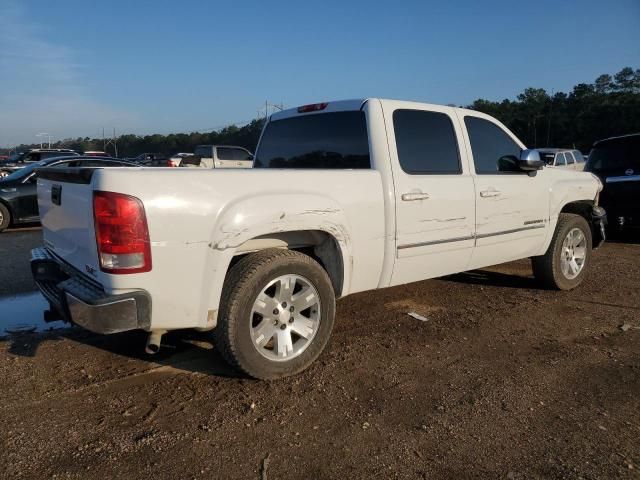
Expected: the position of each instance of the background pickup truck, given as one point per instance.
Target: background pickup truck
(343, 197)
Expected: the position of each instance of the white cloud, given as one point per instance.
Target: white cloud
(41, 86)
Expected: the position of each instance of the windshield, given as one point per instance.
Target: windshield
(618, 154)
(326, 140)
(24, 171)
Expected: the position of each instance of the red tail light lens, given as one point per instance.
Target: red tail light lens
(314, 107)
(122, 234)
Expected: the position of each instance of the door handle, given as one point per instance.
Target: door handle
(409, 197)
(490, 193)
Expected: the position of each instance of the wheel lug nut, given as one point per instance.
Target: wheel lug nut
(291, 320)
(275, 311)
(283, 326)
(275, 322)
(291, 309)
(284, 304)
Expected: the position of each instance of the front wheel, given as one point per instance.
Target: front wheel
(276, 313)
(564, 265)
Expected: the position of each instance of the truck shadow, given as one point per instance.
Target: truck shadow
(183, 350)
(494, 279)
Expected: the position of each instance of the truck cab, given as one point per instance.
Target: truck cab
(219, 156)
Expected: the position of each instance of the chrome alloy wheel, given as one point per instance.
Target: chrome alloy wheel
(573, 254)
(285, 317)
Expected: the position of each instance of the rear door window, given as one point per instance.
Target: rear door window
(225, 153)
(324, 141)
(578, 156)
(426, 142)
(493, 150)
(560, 160)
(570, 159)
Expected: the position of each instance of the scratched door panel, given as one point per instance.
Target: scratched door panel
(434, 191)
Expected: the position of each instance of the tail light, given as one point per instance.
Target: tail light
(122, 235)
(314, 107)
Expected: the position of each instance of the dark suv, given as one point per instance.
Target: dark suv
(31, 156)
(617, 162)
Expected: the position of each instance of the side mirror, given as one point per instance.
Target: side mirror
(530, 161)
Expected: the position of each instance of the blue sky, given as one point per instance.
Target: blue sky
(71, 67)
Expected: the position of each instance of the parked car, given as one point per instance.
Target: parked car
(152, 160)
(558, 157)
(176, 159)
(18, 200)
(344, 197)
(219, 156)
(617, 162)
(96, 153)
(22, 159)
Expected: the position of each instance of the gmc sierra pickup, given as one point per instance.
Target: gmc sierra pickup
(343, 197)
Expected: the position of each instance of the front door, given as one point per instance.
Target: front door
(434, 192)
(512, 207)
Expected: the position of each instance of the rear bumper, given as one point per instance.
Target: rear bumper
(81, 300)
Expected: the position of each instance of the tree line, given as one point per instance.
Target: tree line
(607, 107)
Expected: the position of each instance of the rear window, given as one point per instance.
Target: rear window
(616, 154)
(326, 140)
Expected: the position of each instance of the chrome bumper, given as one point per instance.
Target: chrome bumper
(80, 300)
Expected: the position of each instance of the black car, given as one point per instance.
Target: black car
(18, 195)
(617, 162)
(152, 160)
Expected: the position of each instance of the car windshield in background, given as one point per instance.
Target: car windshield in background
(619, 154)
(325, 140)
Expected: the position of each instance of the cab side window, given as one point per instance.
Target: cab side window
(570, 159)
(225, 153)
(494, 152)
(426, 142)
(241, 154)
(560, 160)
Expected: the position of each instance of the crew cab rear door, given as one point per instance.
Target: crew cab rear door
(434, 192)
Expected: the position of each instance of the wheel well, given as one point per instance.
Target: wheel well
(583, 208)
(319, 245)
(6, 205)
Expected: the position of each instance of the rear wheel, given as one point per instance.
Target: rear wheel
(564, 265)
(5, 217)
(276, 313)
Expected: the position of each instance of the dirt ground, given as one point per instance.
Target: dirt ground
(503, 380)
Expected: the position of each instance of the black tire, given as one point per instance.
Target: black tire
(547, 268)
(5, 217)
(244, 282)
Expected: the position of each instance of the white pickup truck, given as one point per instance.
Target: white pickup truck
(344, 197)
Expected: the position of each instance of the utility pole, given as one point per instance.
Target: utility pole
(113, 141)
(273, 106)
(549, 122)
(43, 134)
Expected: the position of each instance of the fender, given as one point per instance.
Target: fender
(564, 191)
(251, 216)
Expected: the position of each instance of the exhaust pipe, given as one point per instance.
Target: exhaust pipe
(153, 341)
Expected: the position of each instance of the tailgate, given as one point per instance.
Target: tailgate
(65, 201)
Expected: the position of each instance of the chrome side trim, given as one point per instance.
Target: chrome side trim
(436, 242)
(513, 230)
(471, 237)
(626, 178)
